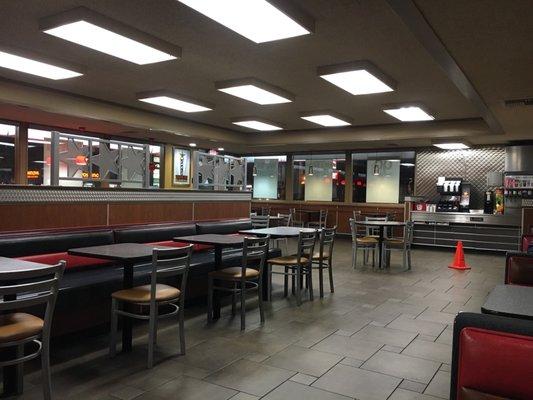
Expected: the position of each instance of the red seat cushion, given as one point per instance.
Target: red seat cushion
(527, 241)
(519, 270)
(72, 261)
(495, 363)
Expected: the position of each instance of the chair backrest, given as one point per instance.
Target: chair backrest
(287, 219)
(306, 244)
(506, 344)
(32, 287)
(370, 230)
(323, 219)
(326, 241)
(519, 269)
(292, 212)
(173, 262)
(253, 214)
(254, 254)
(260, 221)
(354, 230)
(265, 210)
(409, 231)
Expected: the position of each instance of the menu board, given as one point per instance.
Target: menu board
(181, 167)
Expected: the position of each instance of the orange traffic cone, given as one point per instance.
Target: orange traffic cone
(459, 259)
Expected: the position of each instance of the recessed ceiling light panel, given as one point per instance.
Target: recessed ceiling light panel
(326, 118)
(174, 101)
(409, 114)
(357, 78)
(257, 20)
(452, 145)
(257, 124)
(255, 91)
(95, 31)
(21, 61)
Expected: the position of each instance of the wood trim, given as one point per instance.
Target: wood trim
(21, 155)
(210, 211)
(143, 213)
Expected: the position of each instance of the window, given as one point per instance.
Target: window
(265, 176)
(7, 153)
(385, 177)
(156, 155)
(39, 157)
(319, 177)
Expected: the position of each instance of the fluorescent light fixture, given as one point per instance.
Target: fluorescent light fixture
(220, 149)
(192, 144)
(254, 90)
(257, 124)
(257, 20)
(35, 67)
(7, 144)
(406, 164)
(174, 101)
(357, 77)
(409, 114)
(327, 119)
(452, 145)
(98, 32)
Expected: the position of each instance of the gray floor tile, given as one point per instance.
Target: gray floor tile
(250, 377)
(408, 324)
(358, 383)
(304, 360)
(402, 366)
(348, 347)
(412, 386)
(385, 335)
(185, 388)
(440, 385)
(214, 354)
(303, 379)
(430, 351)
(403, 394)
(296, 391)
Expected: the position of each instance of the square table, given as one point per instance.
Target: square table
(219, 242)
(127, 254)
(510, 301)
(14, 374)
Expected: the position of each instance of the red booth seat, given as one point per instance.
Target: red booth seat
(492, 358)
(519, 269)
(527, 242)
(72, 261)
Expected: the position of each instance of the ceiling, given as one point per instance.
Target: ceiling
(489, 39)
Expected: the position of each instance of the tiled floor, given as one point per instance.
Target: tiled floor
(381, 335)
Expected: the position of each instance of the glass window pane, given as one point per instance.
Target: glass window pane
(156, 155)
(39, 157)
(320, 177)
(7, 154)
(265, 176)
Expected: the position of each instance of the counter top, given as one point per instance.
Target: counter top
(467, 218)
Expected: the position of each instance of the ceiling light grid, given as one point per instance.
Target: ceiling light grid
(255, 90)
(257, 124)
(174, 101)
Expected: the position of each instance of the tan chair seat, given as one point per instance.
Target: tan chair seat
(394, 242)
(367, 240)
(141, 294)
(19, 326)
(234, 273)
(287, 260)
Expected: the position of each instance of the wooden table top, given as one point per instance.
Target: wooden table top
(510, 301)
(212, 239)
(278, 231)
(119, 251)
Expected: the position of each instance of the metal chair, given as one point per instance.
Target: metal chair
(402, 244)
(322, 258)
(374, 231)
(165, 263)
(322, 220)
(24, 289)
(260, 221)
(365, 243)
(295, 266)
(265, 210)
(294, 220)
(248, 276)
(286, 221)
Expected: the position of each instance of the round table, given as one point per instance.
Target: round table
(381, 225)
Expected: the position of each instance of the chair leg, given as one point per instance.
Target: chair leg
(269, 282)
(286, 282)
(286, 245)
(151, 335)
(354, 256)
(45, 367)
(243, 307)
(298, 285)
(293, 283)
(181, 322)
(374, 257)
(260, 298)
(330, 271)
(209, 300)
(365, 257)
(234, 300)
(310, 280)
(114, 329)
(409, 259)
(320, 277)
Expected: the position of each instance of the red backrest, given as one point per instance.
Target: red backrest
(72, 261)
(519, 269)
(527, 241)
(494, 363)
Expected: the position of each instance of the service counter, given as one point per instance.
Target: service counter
(476, 231)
